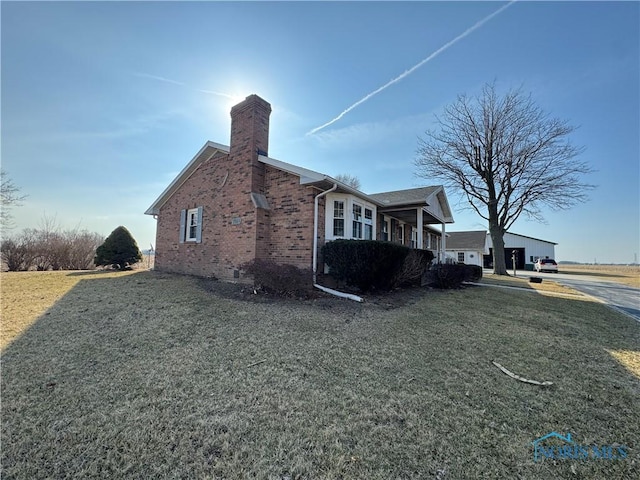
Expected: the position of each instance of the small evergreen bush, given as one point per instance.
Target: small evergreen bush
(366, 264)
(281, 280)
(119, 250)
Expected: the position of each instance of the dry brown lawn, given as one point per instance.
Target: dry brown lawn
(149, 375)
(546, 287)
(28, 295)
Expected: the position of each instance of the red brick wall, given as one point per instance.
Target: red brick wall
(204, 258)
(222, 186)
(290, 219)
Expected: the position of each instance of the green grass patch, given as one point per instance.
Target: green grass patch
(148, 375)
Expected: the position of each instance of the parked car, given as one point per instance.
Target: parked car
(546, 265)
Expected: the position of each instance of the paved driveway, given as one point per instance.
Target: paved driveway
(621, 297)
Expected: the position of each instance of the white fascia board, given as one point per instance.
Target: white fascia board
(444, 204)
(434, 215)
(526, 236)
(206, 152)
(310, 176)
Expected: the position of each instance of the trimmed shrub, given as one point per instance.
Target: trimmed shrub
(473, 273)
(366, 264)
(445, 276)
(280, 280)
(119, 250)
(415, 264)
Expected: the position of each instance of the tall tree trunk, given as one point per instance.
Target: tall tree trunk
(497, 239)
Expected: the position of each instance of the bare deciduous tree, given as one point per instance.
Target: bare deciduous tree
(350, 180)
(9, 197)
(50, 248)
(506, 157)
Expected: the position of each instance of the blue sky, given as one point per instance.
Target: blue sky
(104, 103)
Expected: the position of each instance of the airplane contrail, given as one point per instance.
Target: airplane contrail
(415, 67)
(160, 79)
(182, 84)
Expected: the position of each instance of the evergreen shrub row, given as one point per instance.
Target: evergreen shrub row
(451, 275)
(375, 265)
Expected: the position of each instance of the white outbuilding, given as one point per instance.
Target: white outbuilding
(476, 248)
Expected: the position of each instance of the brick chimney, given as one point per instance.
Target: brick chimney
(250, 135)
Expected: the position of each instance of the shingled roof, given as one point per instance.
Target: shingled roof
(404, 197)
(473, 240)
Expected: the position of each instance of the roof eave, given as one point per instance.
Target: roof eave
(313, 178)
(205, 153)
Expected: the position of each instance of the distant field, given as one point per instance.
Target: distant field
(626, 274)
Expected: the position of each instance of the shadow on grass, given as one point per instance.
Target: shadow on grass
(106, 271)
(149, 375)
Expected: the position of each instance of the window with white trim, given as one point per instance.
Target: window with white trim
(385, 230)
(368, 224)
(191, 225)
(460, 257)
(338, 218)
(414, 238)
(357, 221)
(350, 217)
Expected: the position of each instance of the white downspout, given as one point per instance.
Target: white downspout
(315, 251)
(315, 229)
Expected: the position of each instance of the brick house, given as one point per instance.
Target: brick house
(232, 204)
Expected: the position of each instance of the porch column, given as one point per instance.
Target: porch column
(420, 227)
(443, 242)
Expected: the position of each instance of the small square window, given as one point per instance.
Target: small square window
(460, 257)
